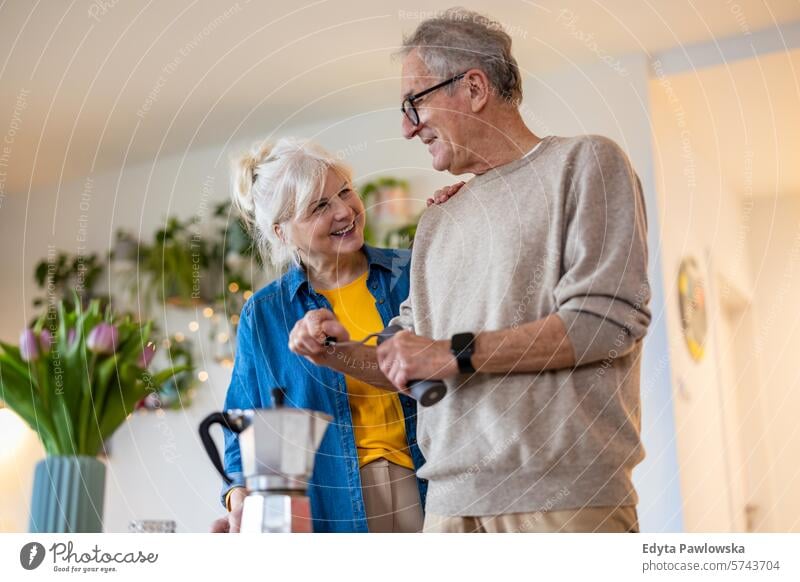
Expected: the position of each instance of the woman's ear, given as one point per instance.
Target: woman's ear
(276, 228)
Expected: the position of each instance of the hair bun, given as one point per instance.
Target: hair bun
(245, 172)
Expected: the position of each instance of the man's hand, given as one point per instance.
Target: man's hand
(308, 335)
(442, 195)
(410, 357)
(231, 522)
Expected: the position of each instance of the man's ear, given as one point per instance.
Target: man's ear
(479, 89)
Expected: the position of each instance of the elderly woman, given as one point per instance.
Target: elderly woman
(301, 206)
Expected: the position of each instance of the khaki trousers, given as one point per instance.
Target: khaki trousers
(584, 520)
(391, 498)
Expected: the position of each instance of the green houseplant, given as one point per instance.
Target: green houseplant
(58, 274)
(176, 392)
(175, 263)
(74, 378)
(234, 250)
(390, 219)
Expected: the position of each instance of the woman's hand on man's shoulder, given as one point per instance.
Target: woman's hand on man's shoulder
(442, 195)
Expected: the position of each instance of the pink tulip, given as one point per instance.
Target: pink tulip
(152, 401)
(103, 339)
(147, 355)
(71, 337)
(45, 341)
(28, 346)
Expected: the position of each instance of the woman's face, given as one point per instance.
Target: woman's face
(332, 225)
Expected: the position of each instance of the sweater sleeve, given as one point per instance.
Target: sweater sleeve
(405, 318)
(603, 293)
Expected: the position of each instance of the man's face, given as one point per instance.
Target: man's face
(442, 117)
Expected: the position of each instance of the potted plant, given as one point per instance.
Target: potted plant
(243, 269)
(389, 211)
(235, 250)
(128, 283)
(175, 263)
(126, 247)
(74, 378)
(402, 237)
(177, 391)
(57, 275)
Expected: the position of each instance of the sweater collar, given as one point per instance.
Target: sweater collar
(506, 169)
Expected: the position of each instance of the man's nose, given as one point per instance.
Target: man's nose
(408, 128)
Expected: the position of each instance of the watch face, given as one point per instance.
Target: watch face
(461, 341)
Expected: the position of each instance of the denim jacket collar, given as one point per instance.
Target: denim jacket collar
(296, 277)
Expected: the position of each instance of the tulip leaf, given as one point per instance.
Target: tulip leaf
(11, 350)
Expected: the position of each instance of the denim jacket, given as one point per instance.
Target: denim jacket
(263, 361)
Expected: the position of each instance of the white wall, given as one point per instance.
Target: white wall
(143, 481)
(774, 242)
(20, 451)
(695, 223)
(701, 218)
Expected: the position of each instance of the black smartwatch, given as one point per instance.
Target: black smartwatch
(462, 347)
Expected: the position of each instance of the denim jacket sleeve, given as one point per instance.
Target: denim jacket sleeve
(242, 393)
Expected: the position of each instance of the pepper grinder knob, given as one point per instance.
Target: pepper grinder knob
(278, 396)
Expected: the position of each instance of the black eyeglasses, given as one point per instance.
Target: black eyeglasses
(409, 109)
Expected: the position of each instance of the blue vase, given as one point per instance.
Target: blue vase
(68, 495)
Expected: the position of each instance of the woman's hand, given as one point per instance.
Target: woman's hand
(442, 195)
(231, 522)
(308, 335)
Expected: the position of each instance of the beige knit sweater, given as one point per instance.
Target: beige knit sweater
(561, 230)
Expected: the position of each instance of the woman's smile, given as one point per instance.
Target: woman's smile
(346, 231)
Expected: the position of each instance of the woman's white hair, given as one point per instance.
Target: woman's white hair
(273, 183)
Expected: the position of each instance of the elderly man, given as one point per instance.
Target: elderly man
(528, 298)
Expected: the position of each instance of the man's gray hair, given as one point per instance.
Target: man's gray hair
(458, 40)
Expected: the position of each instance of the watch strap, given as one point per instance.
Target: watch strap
(462, 346)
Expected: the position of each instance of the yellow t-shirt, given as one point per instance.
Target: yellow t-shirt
(378, 420)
